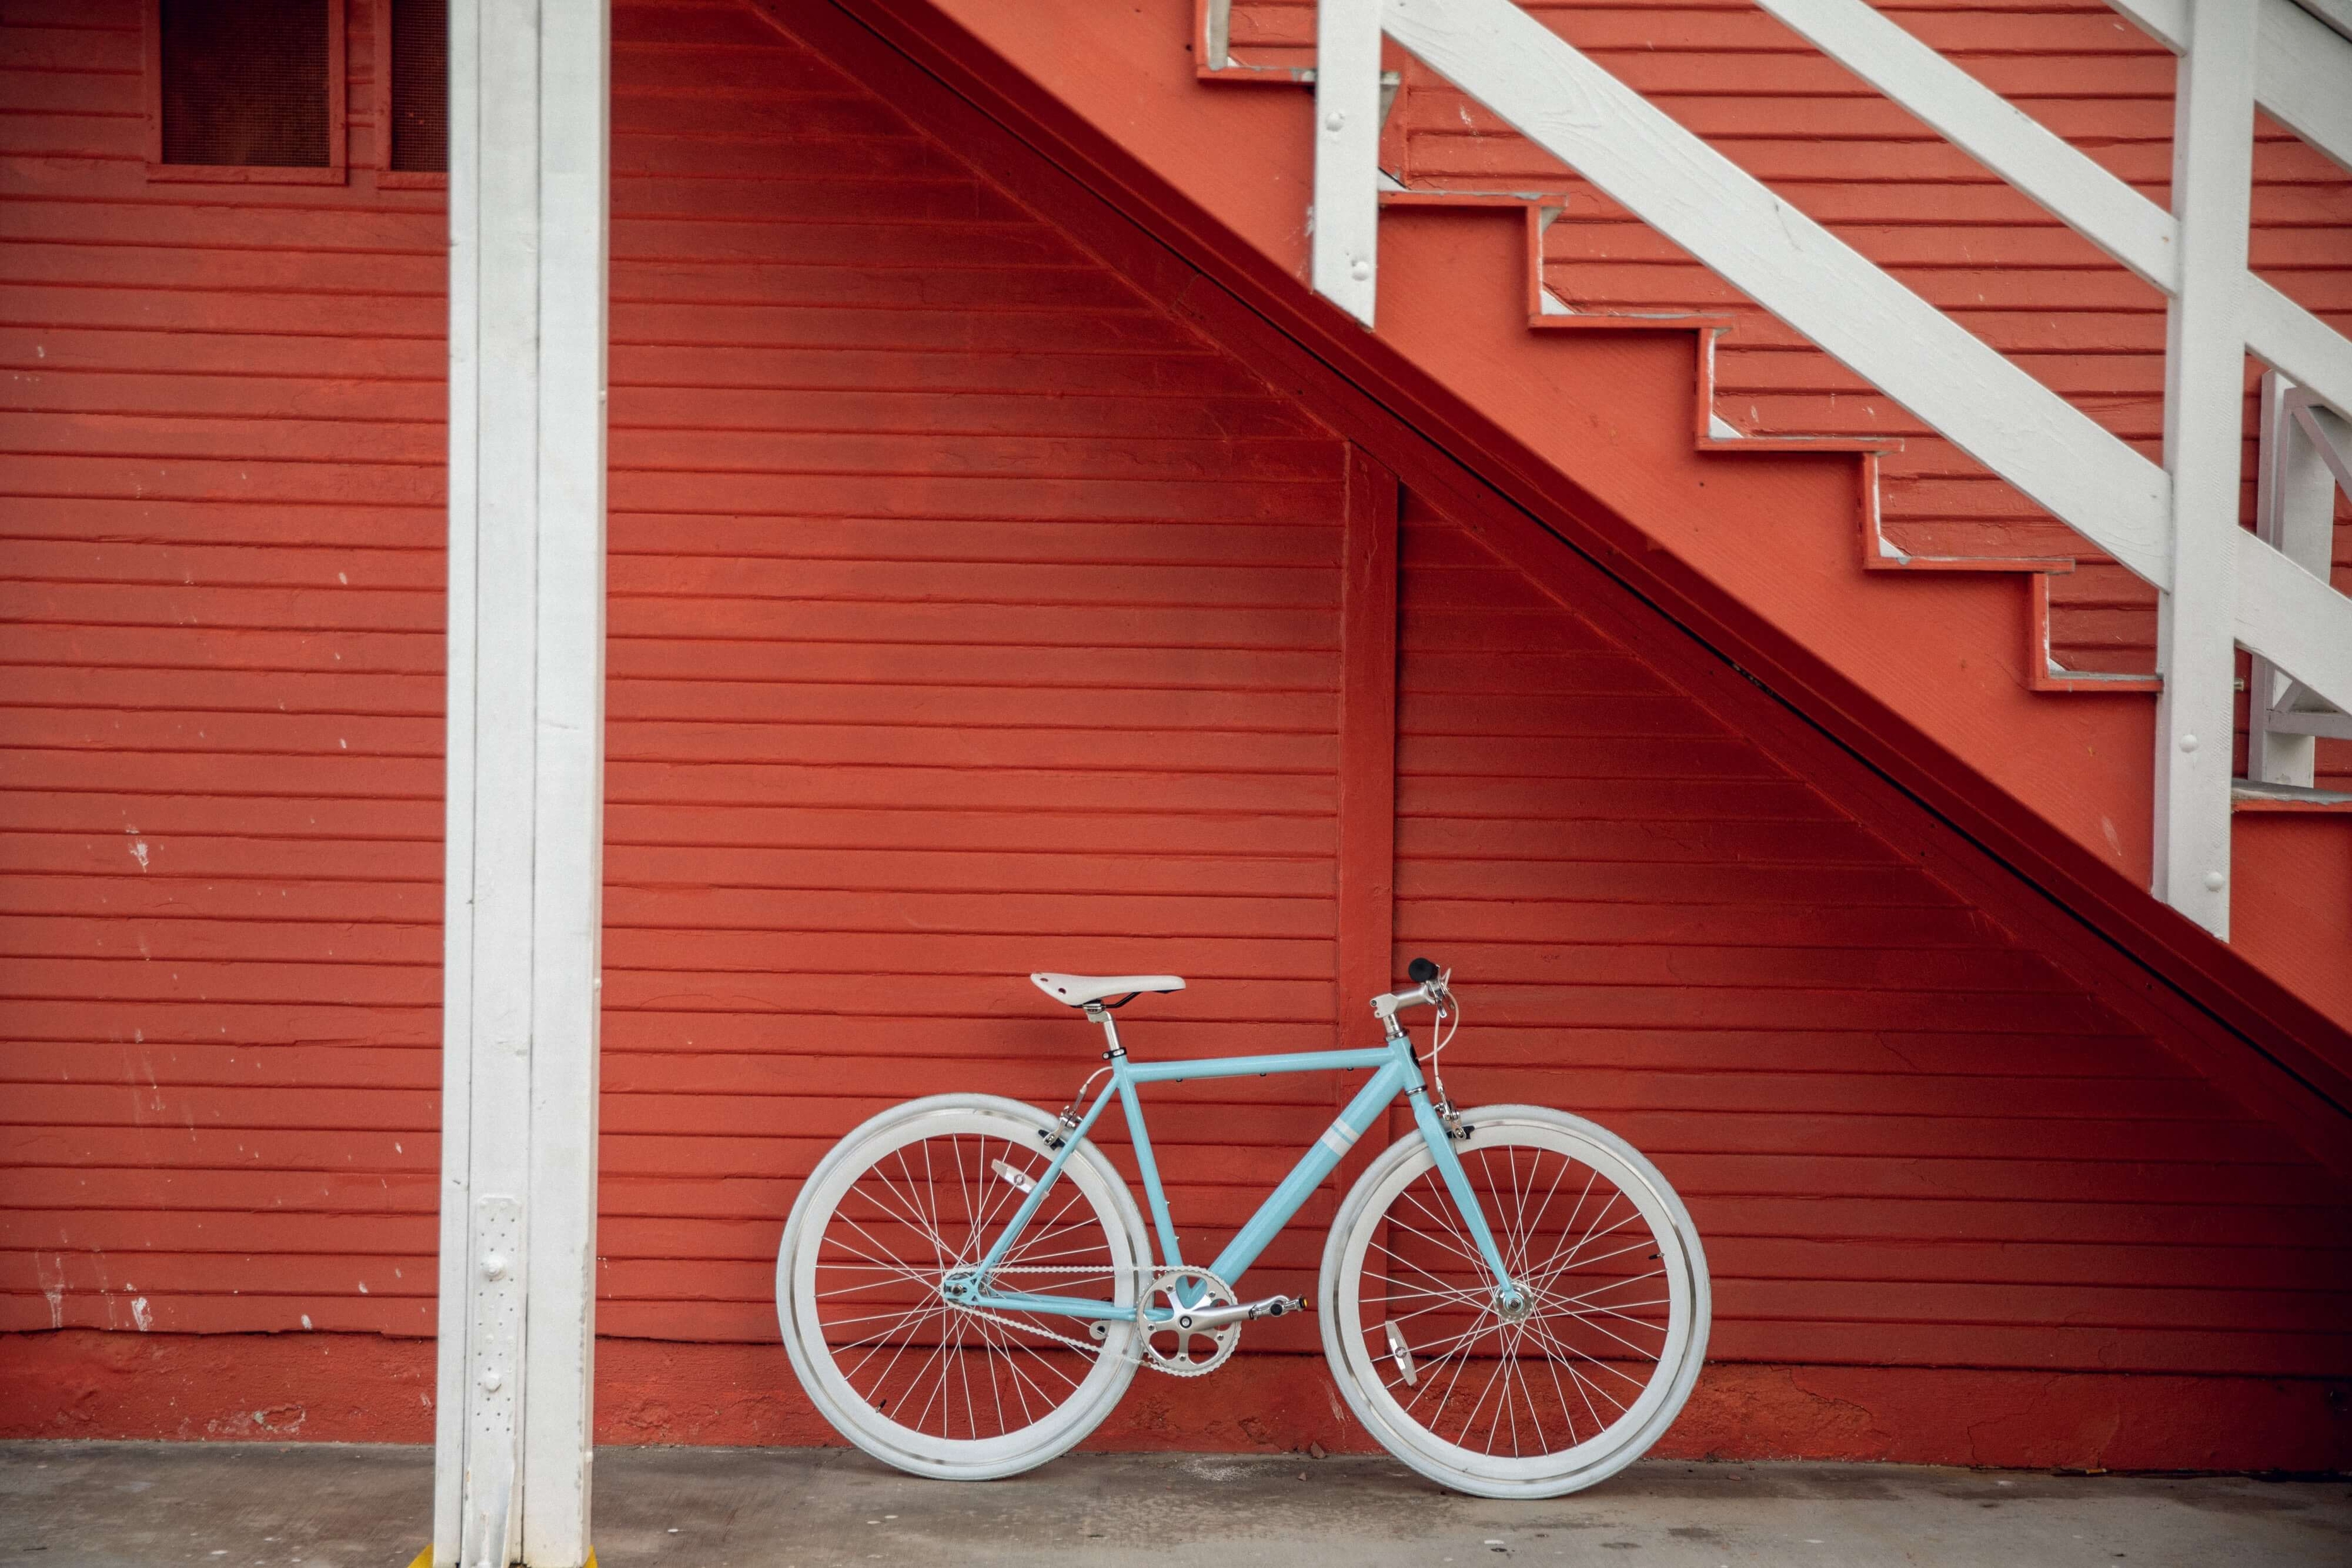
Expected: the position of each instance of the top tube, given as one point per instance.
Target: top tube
(1248, 1066)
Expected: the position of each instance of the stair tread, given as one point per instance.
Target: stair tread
(2254, 795)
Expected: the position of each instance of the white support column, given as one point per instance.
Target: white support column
(2205, 367)
(526, 333)
(1347, 154)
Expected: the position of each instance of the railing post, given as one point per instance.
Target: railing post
(2294, 513)
(2204, 402)
(1347, 216)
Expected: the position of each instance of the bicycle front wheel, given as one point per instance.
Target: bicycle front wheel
(916, 1381)
(1551, 1394)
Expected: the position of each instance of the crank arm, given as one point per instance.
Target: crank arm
(1214, 1318)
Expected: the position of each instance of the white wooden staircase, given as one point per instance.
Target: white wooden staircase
(2175, 526)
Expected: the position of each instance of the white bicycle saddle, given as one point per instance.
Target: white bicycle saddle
(1078, 990)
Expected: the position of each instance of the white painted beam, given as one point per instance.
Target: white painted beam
(2295, 508)
(1988, 127)
(455, 1274)
(528, 176)
(1346, 241)
(2075, 188)
(1986, 405)
(567, 890)
(2300, 71)
(2294, 619)
(2287, 613)
(2205, 367)
(2306, 78)
(2286, 337)
(2337, 13)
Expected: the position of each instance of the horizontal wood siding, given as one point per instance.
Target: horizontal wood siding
(1904, 1139)
(1948, 228)
(968, 616)
(220, 863)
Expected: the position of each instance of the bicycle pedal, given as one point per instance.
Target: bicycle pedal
(1402, 1353)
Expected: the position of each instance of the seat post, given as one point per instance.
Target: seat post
(1101, 1015)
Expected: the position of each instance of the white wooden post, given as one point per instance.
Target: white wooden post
(527, 333)
(2305, 457)
(2205, 374)
(2295, 512)
(1345, 246)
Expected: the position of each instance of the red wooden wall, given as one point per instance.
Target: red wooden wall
(224, 589)
(969, 615)
(1906, 1139)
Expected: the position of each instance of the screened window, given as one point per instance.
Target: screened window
(417, 59)
(245, 82)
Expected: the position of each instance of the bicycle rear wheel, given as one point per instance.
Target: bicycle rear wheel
(1549, 1396)
(912, 1378)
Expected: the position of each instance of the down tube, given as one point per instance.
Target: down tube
(1318, 1162)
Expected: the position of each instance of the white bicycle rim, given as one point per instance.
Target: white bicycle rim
(1066, 1410)
(1648, 1245)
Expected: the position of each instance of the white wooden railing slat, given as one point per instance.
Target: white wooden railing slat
(2337, 13)
(1347, 214)
(1989, 128)
(2300, 66)
(2072, 185)
(2286, 337)
(2295, 506)
(2307, 66)
(2295, 618)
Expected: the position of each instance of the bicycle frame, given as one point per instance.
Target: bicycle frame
(1395, 1070)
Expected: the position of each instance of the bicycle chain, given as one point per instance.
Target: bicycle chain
(1145, 1273)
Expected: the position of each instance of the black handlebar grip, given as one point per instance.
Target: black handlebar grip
(1421, 971)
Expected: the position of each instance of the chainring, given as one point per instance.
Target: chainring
(1177, 1334)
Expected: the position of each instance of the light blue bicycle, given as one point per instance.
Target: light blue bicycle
(1513, 1299)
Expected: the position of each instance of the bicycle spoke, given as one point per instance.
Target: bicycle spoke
(1543, 1281)
(1468, 1249)
(1569, 1350)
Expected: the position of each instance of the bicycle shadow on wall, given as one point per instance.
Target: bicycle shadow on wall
(1512, 1299)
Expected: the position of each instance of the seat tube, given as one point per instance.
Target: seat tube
(1145, 1164)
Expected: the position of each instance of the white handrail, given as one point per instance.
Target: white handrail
(2299, 66)
(2067, 183)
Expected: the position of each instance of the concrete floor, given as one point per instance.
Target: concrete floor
(110, 1505)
